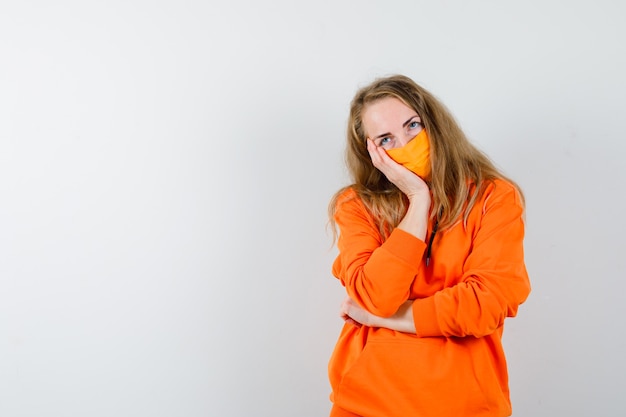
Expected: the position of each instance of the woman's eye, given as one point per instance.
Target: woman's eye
(384, 141)
(413, 125)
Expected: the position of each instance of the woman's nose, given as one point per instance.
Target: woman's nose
(404, 139)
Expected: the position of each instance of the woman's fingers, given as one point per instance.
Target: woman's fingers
(379, 157)
(344, 312)
(408, 182)
(351, 312)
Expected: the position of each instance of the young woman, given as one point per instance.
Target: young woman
(430, 239)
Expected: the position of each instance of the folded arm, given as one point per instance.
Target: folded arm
(493, 285)
(377, 275)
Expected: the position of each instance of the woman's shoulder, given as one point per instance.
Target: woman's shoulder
(501, 190)
(348, 203)
(346, 195)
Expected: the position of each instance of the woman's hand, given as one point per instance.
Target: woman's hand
(415, 221)
(408, 182)
(401, 321)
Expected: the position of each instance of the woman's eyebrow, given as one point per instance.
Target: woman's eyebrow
(403, 125)
(382, 135)
(409, 121)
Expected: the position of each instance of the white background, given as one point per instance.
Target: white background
(165, 168)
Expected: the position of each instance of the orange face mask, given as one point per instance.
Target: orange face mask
(415, 155)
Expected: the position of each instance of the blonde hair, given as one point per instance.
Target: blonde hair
(459, 171)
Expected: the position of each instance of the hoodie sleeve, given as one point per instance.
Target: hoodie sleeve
(494, 282)
(376, 275)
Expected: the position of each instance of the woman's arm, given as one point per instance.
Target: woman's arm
(415, 220)
(401, 321)
(494, 283)
(378, 274)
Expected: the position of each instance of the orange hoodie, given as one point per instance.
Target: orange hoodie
(455, 364)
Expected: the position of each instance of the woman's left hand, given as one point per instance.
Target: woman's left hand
(401, 321)
(351, 313)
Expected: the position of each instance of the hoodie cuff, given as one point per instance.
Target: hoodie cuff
(425, 317)
(405, 246)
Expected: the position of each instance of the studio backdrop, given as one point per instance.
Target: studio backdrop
(165, 172)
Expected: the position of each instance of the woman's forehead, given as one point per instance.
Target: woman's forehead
(386, 113)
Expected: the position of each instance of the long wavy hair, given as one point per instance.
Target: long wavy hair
(459, 171)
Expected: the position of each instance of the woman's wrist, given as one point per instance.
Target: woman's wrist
(415, 220)
(403, 319)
